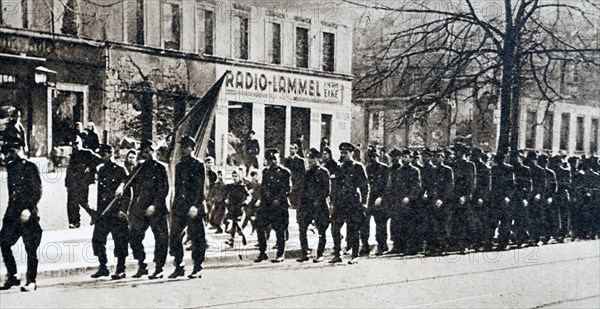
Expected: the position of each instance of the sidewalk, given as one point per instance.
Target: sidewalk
(69, 252)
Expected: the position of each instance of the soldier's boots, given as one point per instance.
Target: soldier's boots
(365, 251)
(195, 273)
(11, 280)
(118, 276)
(278, 259)
(179, 272)
(102, 272)
(319, 259)
(158, 274)
(142, 270)
(353, 261)
(335, 259)
(261, 257)
(29, 287)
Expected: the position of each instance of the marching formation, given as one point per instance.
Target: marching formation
(431, 201)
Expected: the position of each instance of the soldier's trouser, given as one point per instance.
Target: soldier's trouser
(218, 213)
(120, 233)
(32, 236)
(353, 216)
(414, 228)
(398, 227)
(536, 226)
(365, 228)
(564, 214)
(437, 238)
(305, 217)
(381, 226)
(159, 226)
(477, 231)
(195, 232)
(505, 218)
(459, 226)
(278, 217)
(78, 195)
(552, 220)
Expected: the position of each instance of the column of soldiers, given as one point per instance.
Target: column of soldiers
(435, 202)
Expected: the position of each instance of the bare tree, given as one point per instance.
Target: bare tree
(469, 48)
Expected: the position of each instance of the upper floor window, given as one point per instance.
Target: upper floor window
(531, 123)
(565, 123)
(205, 21)
(594, 136)
(302, 47)
(274, 41)
(548, 130)
(328, 52)
(579, 135)
(134, 22)
(171, 20)
(240, 38)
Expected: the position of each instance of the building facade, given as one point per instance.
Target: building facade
(136, 66)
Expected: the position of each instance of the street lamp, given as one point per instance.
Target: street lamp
(44, 76)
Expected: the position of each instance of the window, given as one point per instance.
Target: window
(301, 47)
(241, 37)
(375, 121)
(139, 23)
(274, 50)
(548, 128)
(328, 52)
(531, 123)
(579, 137)
(172, 26)
(594, 136)
(24, 12)
(205, 21)
(564, 131)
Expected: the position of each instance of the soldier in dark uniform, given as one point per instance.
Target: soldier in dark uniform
(273, 209)
(333, 168)
(253, 187)
(188, 209)
(236, 197)
(149, 210)
(297, 166)
(534, 219)
(349, 208)
(464, 185)
(427, 187)
(313, 205)
(111, 180)
(378, 175)
(394, 202)
(503, 184)
(252, 151)
(563, 196)
(441, 199)
(81, 173)
(481, 213)
(551, 212)
(216, 198)
(21, 218)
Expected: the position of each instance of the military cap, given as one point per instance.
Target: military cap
(440, 153)
(11, 144)
(104, 148)
(327, 150)
(416, 153)
(426, 151)
(477, 153)
(187, 141)
(460, 147)
(395, 153)
(406, 152)
(345, 146)
(314, 153)
(147, 144)
(543, 157)
(271, 153)
(372, 153)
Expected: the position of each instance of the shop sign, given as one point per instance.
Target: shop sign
(284, 86)
(28, 46)
(6, 79)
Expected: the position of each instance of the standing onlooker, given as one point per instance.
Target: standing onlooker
(252, 150)
(297, 166)
(130, 160)
(299, 144)
(92, 142)
(81, 173)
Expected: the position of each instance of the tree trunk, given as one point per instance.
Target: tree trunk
(515, 108)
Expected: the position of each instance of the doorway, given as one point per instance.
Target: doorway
(301, 125)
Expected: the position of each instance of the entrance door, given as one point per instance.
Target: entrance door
(301, 125)
(67, 109)
(275, 128)
(326, 128)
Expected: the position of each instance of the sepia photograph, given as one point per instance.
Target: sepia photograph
(299, 154)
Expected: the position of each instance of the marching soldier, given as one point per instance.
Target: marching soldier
(111, 179)
(236, 197)
(314, 206)
(464, 185)
(378, 175)
(550, 212)
(21, 218)
(399, 243)
(149, 210)
(273, 209)
(253, 187)
(481, 216)
(520, 210)
(349, 209)
(538, 193)
(563, 196)
(503, 183)
(81, 173)
(441, 198)
(188, 209)
(216, 197)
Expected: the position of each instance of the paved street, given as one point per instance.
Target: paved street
(554, 276)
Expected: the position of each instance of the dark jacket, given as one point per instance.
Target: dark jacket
(316, 186)
(275, 187)
(378, 175)
(252, 147)
(297, 167)
(189, 186)
(503, 181)
(464, 178)
(522, 188)
(110, 177)
(150, 188)
(24, 190)
(443, 183)
(482, 182)
(354, 186)
(81, 170)
(91, 142)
